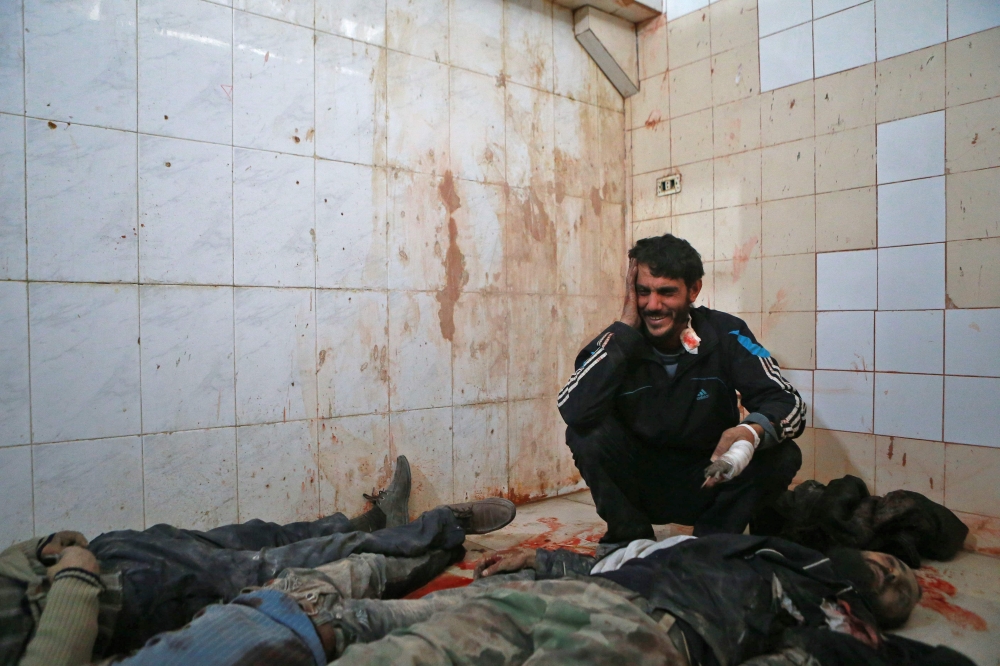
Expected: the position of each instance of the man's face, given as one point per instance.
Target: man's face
(664, 303)
(895, 583)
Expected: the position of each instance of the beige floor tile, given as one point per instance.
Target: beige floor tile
(846, 220)
(971, 479)
(909, 464)
(737, 126)
(688, 38)
(845, 160)
(839, 453)
(973, 274)
(733, 23)
(787, 114)
(791, 338)
(552, 523)
(910, 84)
(972, 67)
(972, 136)
(737, 179)
(582, 496)
(845, 100)
(960, 607)
(789, 283)
(984, 533)
(688, 92)
(973, 200)
(788, 226)
(735, 74)
(788, 170)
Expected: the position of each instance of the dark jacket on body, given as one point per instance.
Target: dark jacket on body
(620, 371)
(737, 597)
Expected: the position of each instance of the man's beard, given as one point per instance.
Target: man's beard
(679, 321)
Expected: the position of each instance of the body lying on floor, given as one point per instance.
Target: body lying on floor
(314, 593)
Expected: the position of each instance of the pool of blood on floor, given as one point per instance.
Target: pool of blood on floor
(936, 591)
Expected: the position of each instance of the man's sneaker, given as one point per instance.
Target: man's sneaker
(395, 500)
(484, 516)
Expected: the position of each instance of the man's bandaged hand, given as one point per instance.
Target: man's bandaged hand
(734, 461)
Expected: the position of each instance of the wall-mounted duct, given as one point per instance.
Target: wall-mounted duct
(611, 42)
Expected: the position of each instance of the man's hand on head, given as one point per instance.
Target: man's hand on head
(504, 562)
(74, 557)
(733, 435)
(630, 310)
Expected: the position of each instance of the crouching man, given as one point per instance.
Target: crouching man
(653, 404)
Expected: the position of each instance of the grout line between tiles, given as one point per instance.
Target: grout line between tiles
(27, 291)
(138, 289)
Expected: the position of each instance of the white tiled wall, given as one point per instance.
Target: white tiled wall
(251, 251)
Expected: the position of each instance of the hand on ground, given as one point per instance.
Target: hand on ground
(503, 562)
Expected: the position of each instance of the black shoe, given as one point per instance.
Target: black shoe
(394, 501)
(484, 516)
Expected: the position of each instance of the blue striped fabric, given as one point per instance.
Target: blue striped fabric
(265, 626)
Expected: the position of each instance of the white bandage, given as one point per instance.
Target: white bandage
(739, 456)
(756, 437)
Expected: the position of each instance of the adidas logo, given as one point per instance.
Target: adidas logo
(702, 394)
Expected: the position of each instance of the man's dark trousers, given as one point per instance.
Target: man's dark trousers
(169, 574)
(635, 486)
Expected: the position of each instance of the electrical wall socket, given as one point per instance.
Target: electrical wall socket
(668, 185)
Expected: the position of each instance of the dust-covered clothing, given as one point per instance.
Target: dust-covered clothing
(521, 622)
(156, 580)
(52, 623)
(170, 574)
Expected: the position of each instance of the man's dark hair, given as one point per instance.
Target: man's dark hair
(669, 256)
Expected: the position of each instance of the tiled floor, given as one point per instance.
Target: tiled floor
(960, 607)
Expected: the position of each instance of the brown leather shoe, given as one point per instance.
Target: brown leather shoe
(484, 516)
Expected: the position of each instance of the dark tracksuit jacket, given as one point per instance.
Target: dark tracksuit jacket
(619, 373)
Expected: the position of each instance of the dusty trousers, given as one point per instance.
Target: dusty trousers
(169, 574)
(636, 486)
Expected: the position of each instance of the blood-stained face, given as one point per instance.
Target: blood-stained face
(664, 303)
(895, 583)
